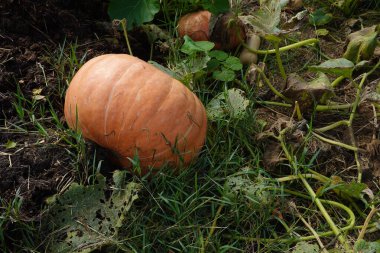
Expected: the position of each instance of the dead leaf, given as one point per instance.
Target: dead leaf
(307, 94)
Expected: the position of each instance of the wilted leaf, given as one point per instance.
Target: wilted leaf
(362, 246)
(83, 219)
(191, 47)
(38, 97)
(304, 247)
(136, 12)
(307, 94)
(266, 19)
(340, 66)
(361, 44)
(320, 17)
(10, 144)
(232, 103)
(37, 91)
(273, 155)
(154, 33)
(256, 191)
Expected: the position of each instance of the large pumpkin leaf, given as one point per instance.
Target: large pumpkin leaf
(339, 66)
(83, 219)
(136, 12)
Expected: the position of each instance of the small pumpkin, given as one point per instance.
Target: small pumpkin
(225, 30)
(195, 25)
(130, 107)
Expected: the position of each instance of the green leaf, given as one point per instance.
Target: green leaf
(320, 17)
(304, 247)
(225, 75)
(83, 219)
(218, 54)
(231, 103)
(353, 189)
(362, 246)
(213, 65)
(136, 12)
(216, 6)
(233, 63)
(341, 66)
(10, 144)
(191, 47)
(322, 32)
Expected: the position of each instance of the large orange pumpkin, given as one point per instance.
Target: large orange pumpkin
(133, 109)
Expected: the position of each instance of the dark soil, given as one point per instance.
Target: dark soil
(31, 32)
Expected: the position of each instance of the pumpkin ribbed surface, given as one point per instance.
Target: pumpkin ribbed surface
(195, 25)
(131, 108)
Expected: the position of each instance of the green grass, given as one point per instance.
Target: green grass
(198, 209)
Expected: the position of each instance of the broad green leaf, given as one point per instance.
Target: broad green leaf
(340, 66)
(225, 75)
(83, 219)
(216, 6)
(10, 144)
(191, 47)
(362, 246)
(213, 65)
(218, 54)
(231, 103)
(136, 12)
(304, 247)
(320, 17)
(233, 63)
(361, 44)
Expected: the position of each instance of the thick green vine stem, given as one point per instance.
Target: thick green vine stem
(311, 192)
(350, 221)
(282, 49)
(271, 87)
(279, 61)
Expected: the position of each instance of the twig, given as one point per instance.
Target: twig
(366, 222)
